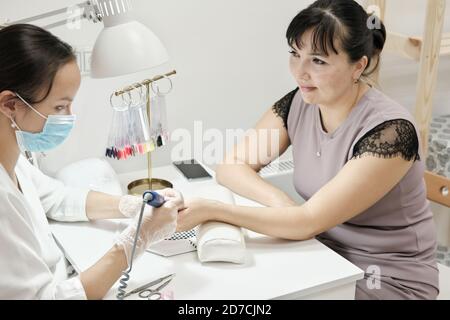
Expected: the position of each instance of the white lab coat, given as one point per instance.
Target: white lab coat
(31, 264)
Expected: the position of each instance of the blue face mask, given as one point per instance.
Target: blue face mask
(56, 129)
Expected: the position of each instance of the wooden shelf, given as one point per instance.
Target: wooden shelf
(411, 47)
(438, 188)
(445, 44)
(426, 50)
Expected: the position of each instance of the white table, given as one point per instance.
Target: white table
(274, 268)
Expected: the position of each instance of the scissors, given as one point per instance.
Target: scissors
(152, 294)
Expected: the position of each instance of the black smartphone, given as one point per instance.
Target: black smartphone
(192, 170)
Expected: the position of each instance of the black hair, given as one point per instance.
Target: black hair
(29, 60)
(342, 22)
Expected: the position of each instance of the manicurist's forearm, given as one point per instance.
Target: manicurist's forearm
(292, 223)
(243, 180)
(102, 206)
(98, 279)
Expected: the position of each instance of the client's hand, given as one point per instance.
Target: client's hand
(195, 212)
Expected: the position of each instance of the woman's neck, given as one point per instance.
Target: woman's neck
(10, 151)
(333, 116)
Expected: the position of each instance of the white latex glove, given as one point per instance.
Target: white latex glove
(130, 206)
(157, 224)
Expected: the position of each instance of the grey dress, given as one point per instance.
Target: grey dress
(393, 241)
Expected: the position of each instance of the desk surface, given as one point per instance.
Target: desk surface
(274, 268)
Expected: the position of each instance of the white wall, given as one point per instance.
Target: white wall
(231, 57)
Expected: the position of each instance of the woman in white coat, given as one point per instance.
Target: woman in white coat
(39, 78)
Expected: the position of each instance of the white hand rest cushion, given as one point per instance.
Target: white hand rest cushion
(218, 241)
(94, 174)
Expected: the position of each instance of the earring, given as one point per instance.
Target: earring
(13, 124)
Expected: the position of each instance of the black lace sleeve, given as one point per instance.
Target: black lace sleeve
(388, 140)
(282, 107)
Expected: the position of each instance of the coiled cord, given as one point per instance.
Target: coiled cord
(126, 274)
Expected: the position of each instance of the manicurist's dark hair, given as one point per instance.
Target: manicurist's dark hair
(342, 23)
(29, 60)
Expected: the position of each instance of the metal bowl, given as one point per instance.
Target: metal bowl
(138, 187)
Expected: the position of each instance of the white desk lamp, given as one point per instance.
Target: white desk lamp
(111, 55)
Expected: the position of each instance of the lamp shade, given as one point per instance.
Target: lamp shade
(125, 46)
